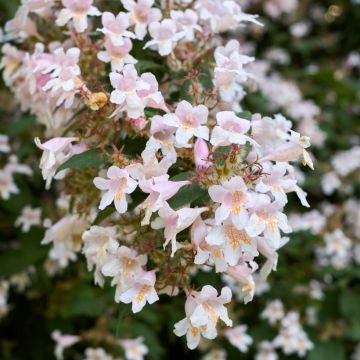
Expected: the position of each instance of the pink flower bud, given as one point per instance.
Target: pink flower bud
(201, 153)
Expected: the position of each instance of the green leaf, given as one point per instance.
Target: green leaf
(29, 252)
(350, 304)
(187, 195)
(82, 301)
(327, 351)
(244, 115)
(103, 214)
(88, 159)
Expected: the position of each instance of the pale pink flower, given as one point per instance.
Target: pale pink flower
(159, 189)
(189, 122)
(162, 136)
(134, 348)
(133, 93)
(229, 71)
(222, 16)
(28, 218)
(118, 184)
(175, 222)
(184, 326)
(141, 14)
(22, 25)
(273, 312)
(151, 167)
(77, 11)
(63, 341)
(186, 21)
(115, 28)
(242, 273)
(292, 150)
(204, 250)
(267, 217)
(210, 308)
(7, 184)
(97, 354)
(165, 36)
(11, 60)
(64, 236)
(141, 292)
(64, 71)
(99, 243)
(234, 199)
(4, 143)
(117, 55)
(125, 264)
(239, 338)
(201, 153)
(230, 129)
(275, 182)
(55, 152)
(234, 242)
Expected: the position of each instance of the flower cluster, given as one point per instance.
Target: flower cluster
(160, 174)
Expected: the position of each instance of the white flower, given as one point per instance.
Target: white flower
(190, 121)
(210, 308)
(273, 312)
(266, 351)
(230, 129)
(4, 143)
(56, 152)
(115, 28)
(165, 36)
(239, 338)
(234, 200)
(203, 310)
(118, 184)
(28, 218)
(97, 354)
(186, 21)
(77, 11)
(4, 292)
(175, 222)
(99, 243)
(141, 14)
(63, 341)
(134, 348)
(141, 291)
(65, 237)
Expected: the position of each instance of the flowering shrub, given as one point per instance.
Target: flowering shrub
(147, 177)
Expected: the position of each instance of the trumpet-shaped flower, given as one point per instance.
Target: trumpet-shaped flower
(141, 14)
(175, 222)
(230, 129)
(159, 189)
(115, 28)
(189, 122)
(55, 152)
(210, 308)
(234, 199)
(77, 11)
(267, 217)
(186, 21)
(165, 36)
(141, 291)
(117, 55)
(118, 184)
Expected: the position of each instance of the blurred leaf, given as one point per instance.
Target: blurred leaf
(327, 351)
(29, 252)
(82, 300)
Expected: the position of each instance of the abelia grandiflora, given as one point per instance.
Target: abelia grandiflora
(166, 158)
